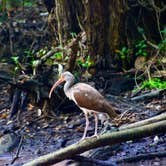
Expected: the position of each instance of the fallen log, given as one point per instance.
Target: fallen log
(144, 122)
(148, 95)
(142, 157)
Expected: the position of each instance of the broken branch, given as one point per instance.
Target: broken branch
(144, 122)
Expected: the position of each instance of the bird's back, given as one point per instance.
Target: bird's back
(86, 96)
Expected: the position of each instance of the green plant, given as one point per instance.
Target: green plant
(141, 48)
(17, 66)
(73, 34)
(58, 56)
(41, 52)
(162, 44)
(32, 58)
(85, 63)
(29, 54)
(124, 53)
(153, 83)
(28, 3)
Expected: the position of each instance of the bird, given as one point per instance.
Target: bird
(87, 98)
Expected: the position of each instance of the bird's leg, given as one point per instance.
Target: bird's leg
(87, 124)
(96, 123)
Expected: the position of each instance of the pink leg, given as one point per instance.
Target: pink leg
(87, 125)
(96, 123)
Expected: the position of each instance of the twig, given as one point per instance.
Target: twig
(149, 42)
(18, 150)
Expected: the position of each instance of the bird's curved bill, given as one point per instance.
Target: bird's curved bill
(55, 85)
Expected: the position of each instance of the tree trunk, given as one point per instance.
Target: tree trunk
(108, 24)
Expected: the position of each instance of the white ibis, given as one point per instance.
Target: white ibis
(87, 98)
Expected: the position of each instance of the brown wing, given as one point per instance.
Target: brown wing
(87, 97)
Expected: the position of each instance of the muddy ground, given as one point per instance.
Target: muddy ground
(44, 133)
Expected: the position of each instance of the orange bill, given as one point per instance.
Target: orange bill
(55, 85)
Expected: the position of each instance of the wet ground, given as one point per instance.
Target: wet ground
(42, 135)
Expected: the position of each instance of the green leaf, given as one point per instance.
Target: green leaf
(145, 54)
(144, 46)
(29, 3)
(79, 62)
(122, 57)
(15, 59)
(35, 62)
(85, 65)
(58, 55)
(124, 49)
(163, 31)
(140, 51)
(73, 34)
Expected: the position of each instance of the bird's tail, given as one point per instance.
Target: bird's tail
(109, 110)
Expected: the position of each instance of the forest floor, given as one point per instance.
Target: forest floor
(42, 134)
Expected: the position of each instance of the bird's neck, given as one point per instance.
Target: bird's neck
(67, 85)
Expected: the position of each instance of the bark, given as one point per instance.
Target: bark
(103, 140)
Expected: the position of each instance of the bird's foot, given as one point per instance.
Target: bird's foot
(95, 136)
(84, 138)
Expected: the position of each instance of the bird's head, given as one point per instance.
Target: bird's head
(65, 77)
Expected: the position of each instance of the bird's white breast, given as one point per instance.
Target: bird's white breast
(70, 94)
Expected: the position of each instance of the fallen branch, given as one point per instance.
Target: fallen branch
(48, 55)
(144, 122)
(142, 157)
(103, 140)
(147, 95)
